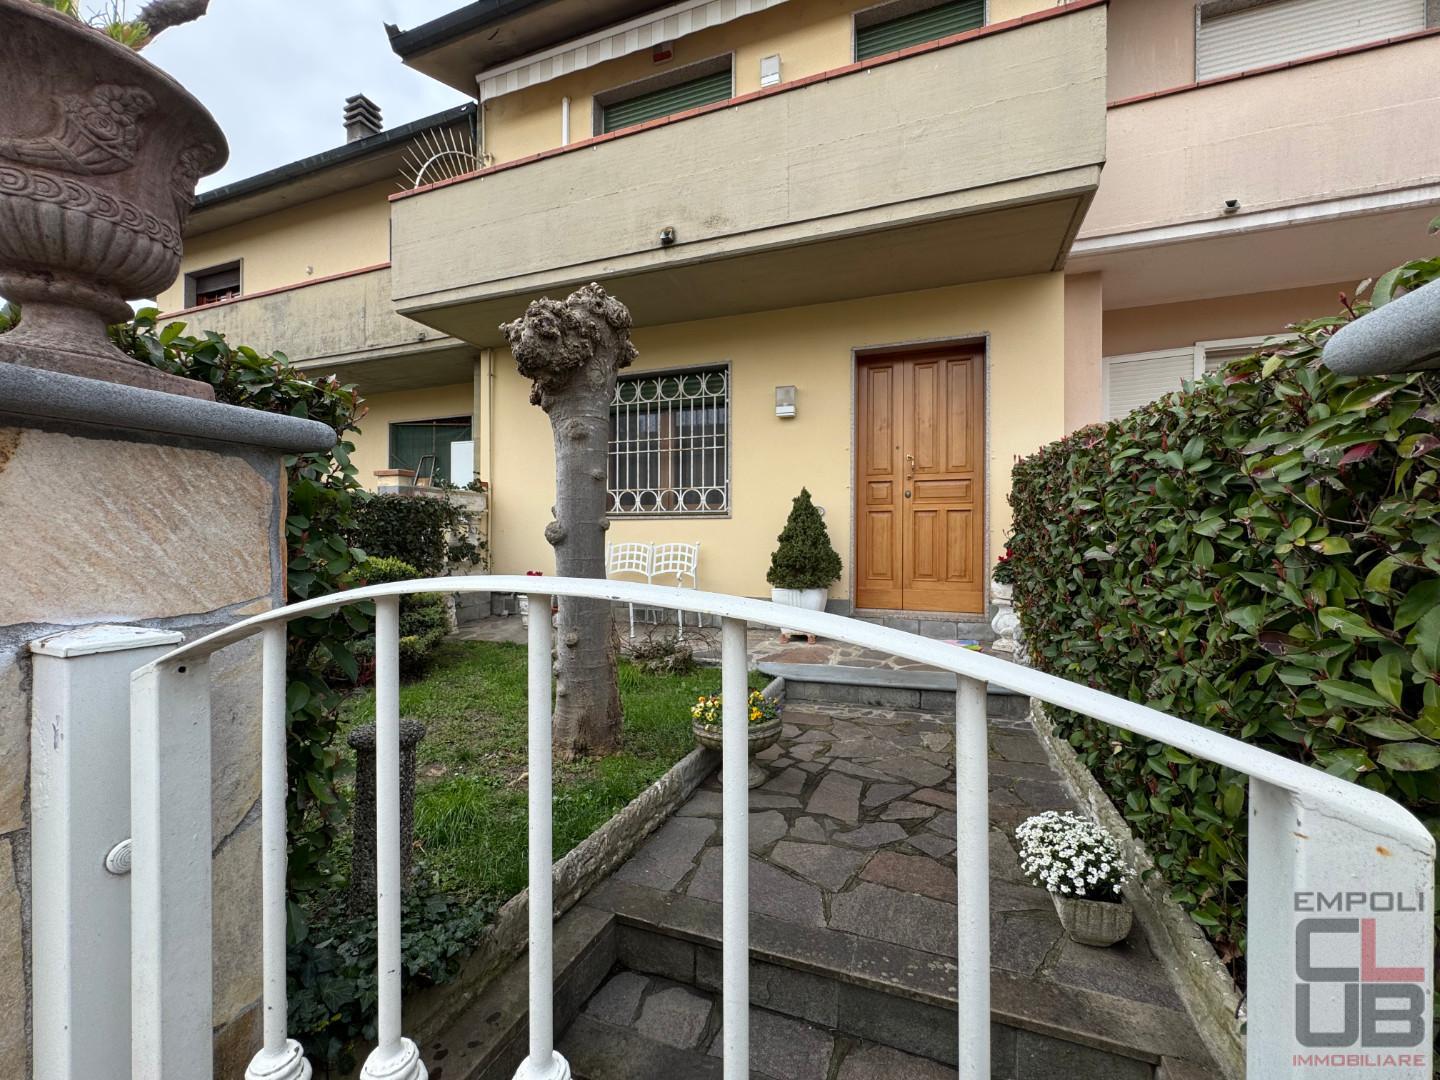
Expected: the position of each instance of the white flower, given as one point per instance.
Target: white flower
(1067, 854)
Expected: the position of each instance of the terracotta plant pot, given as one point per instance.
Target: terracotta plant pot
(100, 152)
(762, 737)
(1093, 922)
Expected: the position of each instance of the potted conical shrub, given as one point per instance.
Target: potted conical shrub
(805, 562)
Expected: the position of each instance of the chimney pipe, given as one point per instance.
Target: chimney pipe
(362, 118)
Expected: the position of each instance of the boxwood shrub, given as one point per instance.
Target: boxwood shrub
(1260, 554)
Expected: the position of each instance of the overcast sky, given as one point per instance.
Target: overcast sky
(276, 73)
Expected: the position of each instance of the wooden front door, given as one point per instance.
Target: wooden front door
(920, 481)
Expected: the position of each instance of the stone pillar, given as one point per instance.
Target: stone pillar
(124, 505)
(362, 812)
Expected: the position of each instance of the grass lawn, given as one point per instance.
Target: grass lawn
(470, 806)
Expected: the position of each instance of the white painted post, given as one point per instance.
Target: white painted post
(280, 1057)
(80, 846)
(544, 1062)
(972, 859)
(170, 894)
(394, 1057)
(1341, 933)
(735, 847)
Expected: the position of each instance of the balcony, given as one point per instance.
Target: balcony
(344, 323)
(962, 160)
(1330, 160)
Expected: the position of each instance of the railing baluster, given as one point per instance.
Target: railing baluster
(281, 1057)
(972, 860)
(394, 1057)
(735, 848)
(543, 1062)
(170, 904)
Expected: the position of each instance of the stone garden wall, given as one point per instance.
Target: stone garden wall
(120, 505)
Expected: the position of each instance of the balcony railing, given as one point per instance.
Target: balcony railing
(960, 160)
(1269, 141)
(344, 321)
(1310, 833)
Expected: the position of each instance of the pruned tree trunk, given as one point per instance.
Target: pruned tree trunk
(571, 351)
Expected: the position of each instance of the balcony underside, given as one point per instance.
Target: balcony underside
(1025, 238)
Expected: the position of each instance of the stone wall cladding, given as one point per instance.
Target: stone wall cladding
(140, 528)
(1204, 985)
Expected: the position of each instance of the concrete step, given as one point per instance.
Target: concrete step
(896, 997)
(889, 688)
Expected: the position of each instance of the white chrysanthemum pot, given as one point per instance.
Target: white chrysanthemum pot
(1093, 922)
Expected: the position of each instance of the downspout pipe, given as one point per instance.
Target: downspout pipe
(1404, 335)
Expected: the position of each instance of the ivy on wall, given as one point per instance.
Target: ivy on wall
(1260, 554)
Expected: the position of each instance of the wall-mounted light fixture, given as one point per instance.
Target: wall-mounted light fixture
(785, 401)
(1232, 206)
(667, 236)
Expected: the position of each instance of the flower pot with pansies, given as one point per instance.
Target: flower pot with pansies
(763, 721)
(1082, 869)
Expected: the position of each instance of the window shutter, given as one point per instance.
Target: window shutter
(1133, 383)
(918, 27)
(1290, 29)
(672, 99)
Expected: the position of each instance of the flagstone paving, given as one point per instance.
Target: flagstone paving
(852, 838)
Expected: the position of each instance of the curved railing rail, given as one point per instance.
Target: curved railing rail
(1311, 836)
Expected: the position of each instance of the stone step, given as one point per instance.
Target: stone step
(948, 628)
(898, 997)
(601, 1051)
(889, 688)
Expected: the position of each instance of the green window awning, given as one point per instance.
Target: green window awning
(918, 27)
(671, 99)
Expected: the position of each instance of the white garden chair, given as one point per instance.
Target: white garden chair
(681, 560)
(629, 558)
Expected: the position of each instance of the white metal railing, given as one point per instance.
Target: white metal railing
(1310, 835)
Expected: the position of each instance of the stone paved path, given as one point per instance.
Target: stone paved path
(853, 837)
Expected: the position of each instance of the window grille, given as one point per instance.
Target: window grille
(670, 444)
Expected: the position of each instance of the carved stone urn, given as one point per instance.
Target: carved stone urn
(100, 152)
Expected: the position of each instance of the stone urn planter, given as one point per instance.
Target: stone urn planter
(100, 152)
(762, 737)
(1093, 922)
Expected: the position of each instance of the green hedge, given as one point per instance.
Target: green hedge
(1259, 554)
(430, 532)
(424, 618)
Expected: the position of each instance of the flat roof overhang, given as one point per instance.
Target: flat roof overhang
(1287, 248)
(457, 46)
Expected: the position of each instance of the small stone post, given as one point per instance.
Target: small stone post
(362, 855)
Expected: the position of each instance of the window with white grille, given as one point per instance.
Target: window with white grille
(670, 444)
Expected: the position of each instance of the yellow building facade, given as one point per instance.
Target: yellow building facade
(860, 210)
